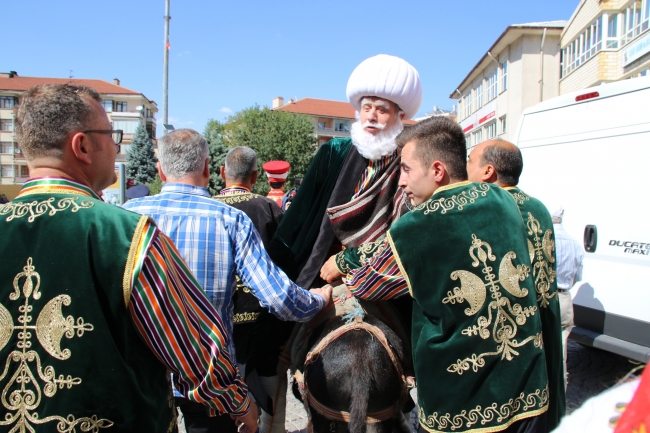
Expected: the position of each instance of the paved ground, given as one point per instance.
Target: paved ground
(591, 371)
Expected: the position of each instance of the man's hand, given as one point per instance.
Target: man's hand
(247, 423)
(329, 272)
(324, 292)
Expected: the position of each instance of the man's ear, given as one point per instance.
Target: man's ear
(401, 115)
(254, 177)
(81, 147)
(160, 172)
(439, 171)
(489, 174)
(222, 172)
(206, 168)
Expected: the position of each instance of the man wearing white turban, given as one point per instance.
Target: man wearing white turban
(350, 194)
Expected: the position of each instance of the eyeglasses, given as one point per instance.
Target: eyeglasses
(117, 133)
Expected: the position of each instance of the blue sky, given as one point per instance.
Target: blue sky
(226, 56)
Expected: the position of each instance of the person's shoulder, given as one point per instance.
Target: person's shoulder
(336, 145)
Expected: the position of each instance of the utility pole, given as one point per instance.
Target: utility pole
(166, 67)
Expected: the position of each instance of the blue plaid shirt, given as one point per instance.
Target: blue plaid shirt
(218, 242)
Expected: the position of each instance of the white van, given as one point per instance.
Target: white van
(590, 152)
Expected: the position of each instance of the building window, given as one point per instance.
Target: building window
(502, 125)
(492, 85)
(612, 30)
(491, 130)
(128, 126)
(583, 47)
(24, 171)
(7, 102)
(120, 107)
(6, 147)
(478, 137)
(7, 170)
(6, 125)
(467, 104)
(504, 76)
(342, 125)
(108, 105)
(633, 20)
(479, 95)
(468, 140)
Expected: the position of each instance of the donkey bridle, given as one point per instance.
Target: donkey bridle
(340, 415)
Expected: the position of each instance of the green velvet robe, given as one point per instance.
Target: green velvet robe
(477, 335)
(541, 248)
(72, 357)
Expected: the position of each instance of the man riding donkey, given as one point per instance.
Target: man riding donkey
(350, 196)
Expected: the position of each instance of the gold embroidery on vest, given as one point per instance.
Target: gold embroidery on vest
(236, 198)
(371, 250)
(244, 317)
(541, 255)
(23, 393)
(239, 285)
(455, 201)
(341, 264)
(507, 316)
(520, 197)
(36, 209)
(512, 411)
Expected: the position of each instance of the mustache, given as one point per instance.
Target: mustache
(380, 126)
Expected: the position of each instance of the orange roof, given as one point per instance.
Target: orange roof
(320, 107)
(25, 83)
(324, 107)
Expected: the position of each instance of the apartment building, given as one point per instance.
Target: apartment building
(332, 119)
(520, 69)
(126, 110)
(605, 41)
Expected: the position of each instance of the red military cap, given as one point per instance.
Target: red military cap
(276, 171)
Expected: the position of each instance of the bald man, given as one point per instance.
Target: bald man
(500, 162)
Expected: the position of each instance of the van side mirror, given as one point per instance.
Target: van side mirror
(590, 238)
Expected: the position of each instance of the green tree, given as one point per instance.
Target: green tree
(155, 185)
(141, 159)
(214, 135)
(273, 135)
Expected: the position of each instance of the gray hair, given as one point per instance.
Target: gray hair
(48, 114)
(241, 163)
(182, 152)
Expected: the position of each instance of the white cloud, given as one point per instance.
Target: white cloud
(226, 110)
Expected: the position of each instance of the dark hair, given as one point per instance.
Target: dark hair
(276, 185)
(48, 114)
(438, 139)
(507, 162)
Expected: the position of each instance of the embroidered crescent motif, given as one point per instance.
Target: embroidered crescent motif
(508, 317)
(30, 380)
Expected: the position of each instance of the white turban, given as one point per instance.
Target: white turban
(386, 77)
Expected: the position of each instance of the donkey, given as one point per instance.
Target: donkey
(353, 383)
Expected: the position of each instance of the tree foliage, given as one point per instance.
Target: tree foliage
(155, 185)
(214, 135)
(272, 134)
(141, 159)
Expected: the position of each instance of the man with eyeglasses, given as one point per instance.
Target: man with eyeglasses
(96, 304)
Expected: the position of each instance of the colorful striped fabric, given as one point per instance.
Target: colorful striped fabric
(56, 185)
(375, 169)
(182, 328)
(378, 279)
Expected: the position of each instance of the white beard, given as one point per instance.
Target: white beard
(375, 146)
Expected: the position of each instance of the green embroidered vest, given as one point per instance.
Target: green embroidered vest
(541, 249)
(72, 359)
(477, 338)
